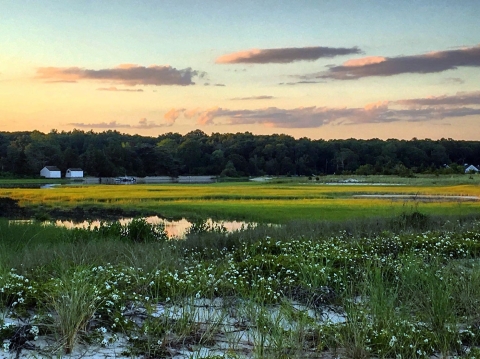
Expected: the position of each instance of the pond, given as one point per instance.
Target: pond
(173, 228)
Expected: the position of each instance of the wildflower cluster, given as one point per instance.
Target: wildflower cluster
(17, 292)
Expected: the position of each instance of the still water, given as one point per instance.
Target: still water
(174, 229)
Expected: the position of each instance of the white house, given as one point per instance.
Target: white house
(74, 173)
(50, 172)
(470, 169)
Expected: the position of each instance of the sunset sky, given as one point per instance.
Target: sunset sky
(314, 68)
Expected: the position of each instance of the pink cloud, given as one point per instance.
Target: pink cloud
(364, 61)
(375, 106)
(172, 115)
(191, 113)
(58, 75)
(126, 66)
(206, 117)
(237, 57)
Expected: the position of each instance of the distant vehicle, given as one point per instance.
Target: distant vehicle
(125, 180)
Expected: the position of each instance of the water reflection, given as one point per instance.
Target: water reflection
(174, 229)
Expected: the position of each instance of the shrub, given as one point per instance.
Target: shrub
(139, 230)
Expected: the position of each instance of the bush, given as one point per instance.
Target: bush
(139, 230)
(414, 220)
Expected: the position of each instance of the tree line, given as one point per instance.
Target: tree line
(111, 153)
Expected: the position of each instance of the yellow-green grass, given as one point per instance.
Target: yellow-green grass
(254, 191)
(262, 202)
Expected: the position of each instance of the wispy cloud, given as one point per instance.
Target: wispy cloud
(126, 74)
(264, 97)
(409, 110)
(454, 80)
(285, 55)
(112, 124)
(61, 81)
(303, 117)
(303, 82)
(461, 98)
(143, 123)
(114, 89)
(191, 113)
(172, 115)
(432, 62)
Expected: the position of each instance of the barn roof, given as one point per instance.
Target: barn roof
(52, 168)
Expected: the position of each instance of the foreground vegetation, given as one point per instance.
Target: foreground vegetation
(404, 287)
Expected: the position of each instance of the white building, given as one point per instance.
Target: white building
(470, 169)
(50, 172)
(74, 173)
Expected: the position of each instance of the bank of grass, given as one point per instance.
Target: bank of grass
(407, 287)
(283, 211)
(260, 202)
(7, 182)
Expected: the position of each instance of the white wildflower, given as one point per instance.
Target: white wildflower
(392, 341)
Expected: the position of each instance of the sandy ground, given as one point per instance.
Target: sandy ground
(236, 334)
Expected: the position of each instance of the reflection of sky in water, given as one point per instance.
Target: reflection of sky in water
(174, 229)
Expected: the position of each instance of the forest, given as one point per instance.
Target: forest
(111, 153)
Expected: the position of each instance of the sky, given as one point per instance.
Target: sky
(322, 69)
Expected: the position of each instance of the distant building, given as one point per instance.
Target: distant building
(50, 172)
(470, 169)
(74, 173)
